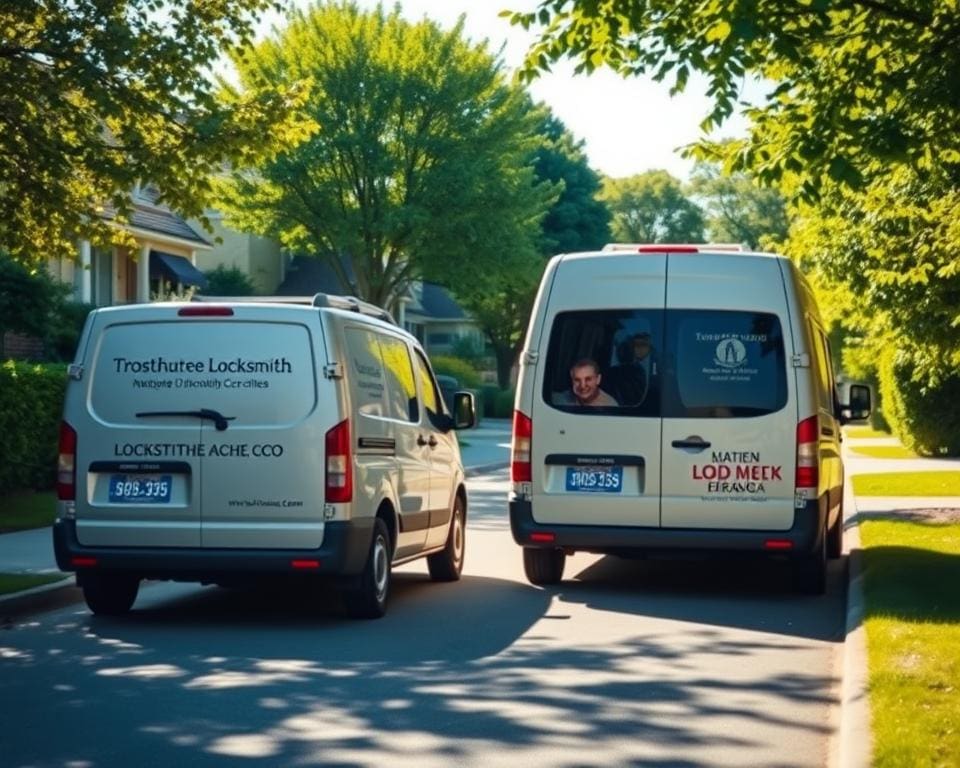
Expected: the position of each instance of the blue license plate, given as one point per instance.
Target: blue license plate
(140, 489)
(595, 479)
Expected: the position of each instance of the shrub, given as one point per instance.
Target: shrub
(448, 365)
(228, 281)
(31, 403)
(65, 329)
(503, 405)
(922, 413)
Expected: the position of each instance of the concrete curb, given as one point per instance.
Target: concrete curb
(56, 593)
(855, 738)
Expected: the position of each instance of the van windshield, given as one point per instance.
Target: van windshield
(675, 364)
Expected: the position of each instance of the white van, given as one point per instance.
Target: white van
(232, 442)
(677, 398)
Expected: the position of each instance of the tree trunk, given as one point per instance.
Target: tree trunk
(506, 356)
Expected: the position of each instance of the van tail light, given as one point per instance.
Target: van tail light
(67, 463)
(339, 477)
(520, 471)
(808, 453)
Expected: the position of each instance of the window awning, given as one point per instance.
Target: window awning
(176, 269)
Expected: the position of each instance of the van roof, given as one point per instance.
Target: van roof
(673, 247)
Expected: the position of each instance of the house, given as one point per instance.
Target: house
(427, 310)
(166, 250)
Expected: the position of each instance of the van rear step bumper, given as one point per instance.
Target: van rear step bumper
(804, 535)
(344, 552)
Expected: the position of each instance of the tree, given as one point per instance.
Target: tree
(579, 220)
(420, 167)
(29, 300)
(738, 210)
(652, 208)
(858, 84)
(98, 97)
(576, 220)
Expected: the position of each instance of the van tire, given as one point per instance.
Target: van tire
(811, 573)
(109, 594)
(543, 566)
(447, 564)
(367, 599)
(835, 536)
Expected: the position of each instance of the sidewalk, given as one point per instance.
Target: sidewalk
(855, 737)
(483, 449)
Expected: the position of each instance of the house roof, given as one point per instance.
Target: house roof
(150, 216)
(308, 275)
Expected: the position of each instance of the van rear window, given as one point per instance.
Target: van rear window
(674, 364)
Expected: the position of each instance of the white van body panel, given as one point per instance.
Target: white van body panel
(745, 479)
(583, 282)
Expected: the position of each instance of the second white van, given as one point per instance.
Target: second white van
(678, 398)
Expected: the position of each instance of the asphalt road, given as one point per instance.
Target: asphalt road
(681, 663)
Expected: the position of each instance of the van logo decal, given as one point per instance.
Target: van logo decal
(730, 353)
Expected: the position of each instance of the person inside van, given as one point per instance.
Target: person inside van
(630, 378)
(585, 386)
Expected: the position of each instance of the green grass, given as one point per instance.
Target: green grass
(908, 484)
(27, 509)
(16, 582)
(884, 451)
(864, 432)
(912, 621)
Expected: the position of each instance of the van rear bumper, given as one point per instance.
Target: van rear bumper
(344, 552)
(804, 535)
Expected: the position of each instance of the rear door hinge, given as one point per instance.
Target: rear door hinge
(800, 361)
(75, 371)
(333, 370)
(530, 357)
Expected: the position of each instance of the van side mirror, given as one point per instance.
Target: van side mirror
(858, 406)
(464, 410)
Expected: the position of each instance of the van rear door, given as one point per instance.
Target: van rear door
(729, 402)
(599, 465)
(263, 467)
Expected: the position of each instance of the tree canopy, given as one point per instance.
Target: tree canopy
(420, 166)
(652, 207)
(858, 84)
(98, 97)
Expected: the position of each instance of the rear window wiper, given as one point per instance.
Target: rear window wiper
(218, 419)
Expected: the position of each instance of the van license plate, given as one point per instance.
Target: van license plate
(140, 489)
(602, 479)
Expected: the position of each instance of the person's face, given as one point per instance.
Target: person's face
(641, 348)
(586, 383)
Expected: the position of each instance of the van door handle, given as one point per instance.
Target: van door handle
(218, 419)
(432, 442)
(694, 442)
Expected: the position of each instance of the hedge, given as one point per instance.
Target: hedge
(448, 365)
(31, 404)
(923, 414)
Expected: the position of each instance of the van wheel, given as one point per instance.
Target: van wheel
(448, 564)
(835, 537)
(109, 594)
(543, 566)
(811, 573)
(368, 598)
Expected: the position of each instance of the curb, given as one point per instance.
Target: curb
(855, 738)
(54, 594)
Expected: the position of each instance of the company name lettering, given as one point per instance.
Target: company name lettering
(761, 337)
(210, 365)
(200, 450)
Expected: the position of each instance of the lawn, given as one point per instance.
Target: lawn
(912, 621)
(16, 582)
(27, 509)
(908, 484)
(855, 432)
(884, 451)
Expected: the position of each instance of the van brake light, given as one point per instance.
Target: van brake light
(520, 470)
(808, 453)
(205, 312)
(339, 469)
(67, 463)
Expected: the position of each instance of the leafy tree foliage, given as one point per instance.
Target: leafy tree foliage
(578, 220)
(98, 96)
(860, 84)
(420, 166)
(737, 209)
(651, 207)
